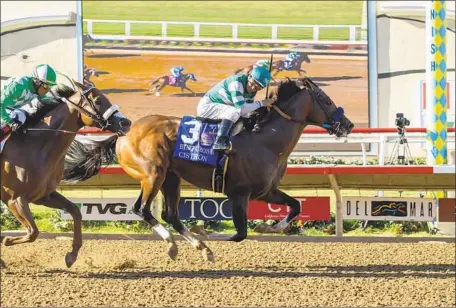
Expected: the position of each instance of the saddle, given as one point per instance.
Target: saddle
(194, 142)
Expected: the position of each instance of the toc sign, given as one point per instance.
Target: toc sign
(312, 208)
(402, 209)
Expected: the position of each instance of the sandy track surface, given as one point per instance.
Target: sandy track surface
(125, 78)
(139, 273)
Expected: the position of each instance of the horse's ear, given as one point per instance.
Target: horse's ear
(77, 84)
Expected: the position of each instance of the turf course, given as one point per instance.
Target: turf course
(256, 12)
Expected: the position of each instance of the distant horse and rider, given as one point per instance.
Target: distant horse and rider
(177, 79)
(246, 70)
(88, 73)
(292, 62)
(253, 167)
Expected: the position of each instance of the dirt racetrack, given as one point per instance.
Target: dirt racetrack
(251, 273)
(125, 77)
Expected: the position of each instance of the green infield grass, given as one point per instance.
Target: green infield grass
(255, 12)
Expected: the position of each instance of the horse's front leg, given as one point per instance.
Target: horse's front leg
(57, 201)
(279, 197)
(188, 89)
(240, 204)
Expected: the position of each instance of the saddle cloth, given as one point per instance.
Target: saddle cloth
(173, 80)
(194, 141)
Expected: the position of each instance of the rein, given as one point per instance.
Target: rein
(52, 130)
(331, 127)
(97, 117)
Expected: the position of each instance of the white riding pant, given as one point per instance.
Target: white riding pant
(208, 109)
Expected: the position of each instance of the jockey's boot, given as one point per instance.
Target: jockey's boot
(222, 142)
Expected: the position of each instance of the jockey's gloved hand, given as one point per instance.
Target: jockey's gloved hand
(18, 117)
(268, 102)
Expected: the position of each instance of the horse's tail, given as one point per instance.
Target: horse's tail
(83, 160)
(238, 71)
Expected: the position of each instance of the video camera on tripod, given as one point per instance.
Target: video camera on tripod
(401, 123)
(401, 150)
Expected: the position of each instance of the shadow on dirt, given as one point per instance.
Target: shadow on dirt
(117, 91)
(196, 94)
(439, 271)
(112, 55)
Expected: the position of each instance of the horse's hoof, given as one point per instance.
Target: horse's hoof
(263, 228)
(69, 260)
(157, 94)
(7, 241)
(208, 255)
(199, 230)
(173, 251)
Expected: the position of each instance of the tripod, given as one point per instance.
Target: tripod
(402, 154)
(401, 151)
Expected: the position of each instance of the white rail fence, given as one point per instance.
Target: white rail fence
(225, 31)
(383, 139)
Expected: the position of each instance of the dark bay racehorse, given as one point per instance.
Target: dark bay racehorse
(254, 172)
(32, 164)
(164, 81)
(279, 65)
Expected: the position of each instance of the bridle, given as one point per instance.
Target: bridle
(101, 119)
(318, 96)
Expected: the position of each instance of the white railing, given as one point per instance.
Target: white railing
(354, 30)
(364, 137)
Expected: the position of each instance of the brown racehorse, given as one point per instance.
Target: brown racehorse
(279, 65)
(254, 171)
(163, 81)
(32, 163)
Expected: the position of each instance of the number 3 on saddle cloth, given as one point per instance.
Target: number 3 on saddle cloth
(194, 142)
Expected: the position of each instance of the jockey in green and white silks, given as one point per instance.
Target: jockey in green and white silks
(26, 96)
(231, 99)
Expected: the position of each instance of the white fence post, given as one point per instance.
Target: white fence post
(127, 28)
(89, 26)
(274, 32)
(164, 29)
(316, 32)
(196, 30)
(352, 33)
(235, 31)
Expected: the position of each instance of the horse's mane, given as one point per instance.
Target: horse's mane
(63, 90)
(286, 90)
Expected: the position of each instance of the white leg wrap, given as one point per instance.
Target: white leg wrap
(165, 234)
